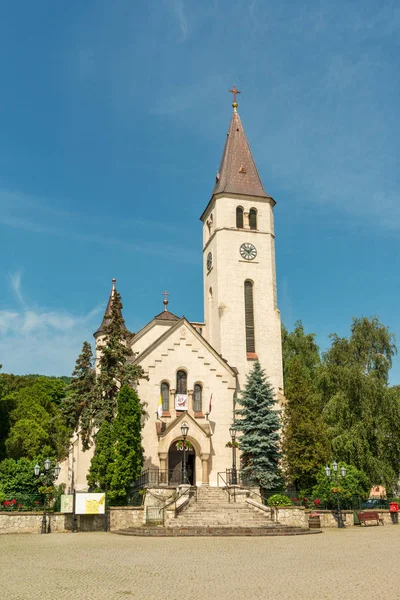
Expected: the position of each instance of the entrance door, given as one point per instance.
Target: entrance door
(175, 465)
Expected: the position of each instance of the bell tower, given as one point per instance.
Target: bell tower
(242, 320)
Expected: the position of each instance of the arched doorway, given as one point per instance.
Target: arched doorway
(177, 454)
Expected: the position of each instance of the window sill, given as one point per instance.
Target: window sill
(198, 415)
(252, 356)
(166, 414)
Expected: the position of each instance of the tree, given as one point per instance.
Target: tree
(127, 443)
(259, 424)
(355, 484)
(118, 456)
(77, 406)
(361, 411)
(101, 465)
(116, 368)
(37, 424)
(305, 440)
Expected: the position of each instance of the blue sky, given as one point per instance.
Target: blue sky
(113, 117)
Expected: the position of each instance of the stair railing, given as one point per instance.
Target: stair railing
(188, 493)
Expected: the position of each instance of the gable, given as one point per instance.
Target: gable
(181, 345)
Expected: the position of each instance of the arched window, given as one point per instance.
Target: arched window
(239, 217)
(181, 382)
(165, 396)
(198, 398)
(249, 316)
(253, 218)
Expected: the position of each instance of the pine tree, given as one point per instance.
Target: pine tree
(259, 424)
(115, 363)
(127, 443)
(77, 407)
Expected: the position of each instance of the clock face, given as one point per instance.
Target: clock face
(209, 261)
(248, 251)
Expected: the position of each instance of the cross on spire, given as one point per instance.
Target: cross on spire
(165, 301)
(234, 91)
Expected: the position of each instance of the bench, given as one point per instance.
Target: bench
(369, 515)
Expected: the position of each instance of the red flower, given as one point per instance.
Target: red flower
(36, 501)
(317, 502)
(13, 501)
(295, 499)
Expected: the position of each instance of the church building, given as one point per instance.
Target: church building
(194, 371)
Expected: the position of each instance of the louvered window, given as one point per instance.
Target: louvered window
(181, 382)
(253, 218)
(165, 396)
(198, 398)
(239, 217)
(249, 316)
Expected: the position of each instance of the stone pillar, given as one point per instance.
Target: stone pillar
(163, 467)
(190, 400)
(246, 221)
(172, 410)
(204, 465)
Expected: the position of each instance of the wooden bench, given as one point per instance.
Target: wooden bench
(369, 515)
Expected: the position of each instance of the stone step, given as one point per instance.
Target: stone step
(216, 531)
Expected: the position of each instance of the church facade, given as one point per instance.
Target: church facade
(194, 371)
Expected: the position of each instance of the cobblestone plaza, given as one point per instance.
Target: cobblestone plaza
(353, 563)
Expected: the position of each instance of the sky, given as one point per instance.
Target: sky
(113, 118)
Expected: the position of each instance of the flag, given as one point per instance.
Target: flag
(210, 405)
(160, 410)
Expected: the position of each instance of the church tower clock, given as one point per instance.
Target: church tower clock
(242, 320)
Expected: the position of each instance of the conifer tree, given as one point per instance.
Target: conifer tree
(118, 456)
(115, 363)
(101, 465)
(259, 424)
(77, 407)
(127, 443)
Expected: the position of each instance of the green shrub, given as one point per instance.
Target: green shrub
(279, 500)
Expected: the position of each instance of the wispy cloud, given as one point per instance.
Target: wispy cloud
(15, 279)
(178, 8)
(42, 341)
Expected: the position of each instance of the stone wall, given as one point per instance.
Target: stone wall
(123, 517)
(293, 516)
(328, 518)
(119, 518)
(15, 522)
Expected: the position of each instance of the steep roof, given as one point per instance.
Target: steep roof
(237, 172)
(106, 318)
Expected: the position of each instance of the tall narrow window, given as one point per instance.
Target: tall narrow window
(239, 217)
(249, 316)
(198, 398)
(181, 382)
(165, 396)
(253, 218)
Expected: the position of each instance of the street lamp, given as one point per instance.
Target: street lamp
(47, 477)
(232, 432)
(184, 431)
(336, 475)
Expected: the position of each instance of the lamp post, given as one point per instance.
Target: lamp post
(336, 475)
(184, 431)
(232, 432)
(47, 477)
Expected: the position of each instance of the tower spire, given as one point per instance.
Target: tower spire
(106, 318)
(237, 173)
